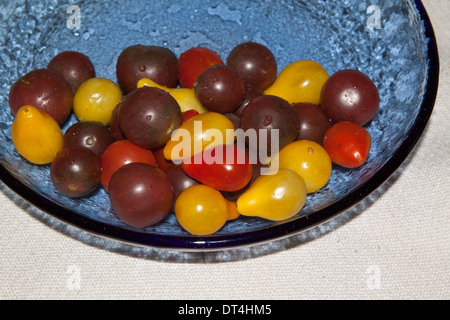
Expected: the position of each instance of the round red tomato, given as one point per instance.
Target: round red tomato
(347, 143)
(224, 168)
(119, 154)
(193, 62)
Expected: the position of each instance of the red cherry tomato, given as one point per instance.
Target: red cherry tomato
(224, 168)
(193, 62)
(119, 154)
(347, 143)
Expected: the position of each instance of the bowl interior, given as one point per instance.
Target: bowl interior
(333, 33)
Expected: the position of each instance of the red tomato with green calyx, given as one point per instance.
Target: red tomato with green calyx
(224, 168)
(348, 144)
(193, 62)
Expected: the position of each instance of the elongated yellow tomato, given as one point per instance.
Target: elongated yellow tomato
(36, 135)
(300, 81)
(185, 97)
(274, 197)
(199, 133)
(310, 160)
(96, 99)
(201, 210)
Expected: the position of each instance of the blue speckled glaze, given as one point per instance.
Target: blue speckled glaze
(333, 33)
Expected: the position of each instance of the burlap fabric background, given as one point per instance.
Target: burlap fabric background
(394, 245)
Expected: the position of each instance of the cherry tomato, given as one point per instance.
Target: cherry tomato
(140, 194)
(348, 144)
(350, 95)
(36, 135)
(274, 197)
(119, 154)
(204, 131)
(301, 81)
(310, 160)
(193, 62)
(96, 99)
(201, 210)
(225, 168)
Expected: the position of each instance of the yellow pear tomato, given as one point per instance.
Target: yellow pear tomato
(199, 133)
(201, 210)
(274, 197)
(96, 99)
(310, 160)
(300, 81)
(36, 135)
(185, 96)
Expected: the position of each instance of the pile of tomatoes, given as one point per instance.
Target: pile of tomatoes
(127, 136)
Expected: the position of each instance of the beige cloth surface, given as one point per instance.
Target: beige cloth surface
(396, 246)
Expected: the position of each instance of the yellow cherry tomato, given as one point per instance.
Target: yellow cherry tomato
(185, 97)
(199, 133)
(310, 160)
(36, 135)
(96, 99)
(300, 81)
(232, 210)
(274, 197)
(201, 210)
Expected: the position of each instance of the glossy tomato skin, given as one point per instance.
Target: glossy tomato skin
(255, 64)
(120, 153)
(348, 144)
(224, 168)
(220, 89)
(92, 135)
(179, 180)
(140, 194)
(201, 210)
(74, 66)
(270, 113)
(45, 90)
(193, 62)
(153, 62)
(75, 172)
(350, 95)
(114, 125)
(313, 122)
(148, 115)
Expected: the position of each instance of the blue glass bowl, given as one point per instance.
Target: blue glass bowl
(392, 43)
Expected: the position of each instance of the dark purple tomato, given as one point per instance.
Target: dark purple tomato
(255, 63)
(313, 122)
(74, 66)
(140, 194)
(251, 92)
(114, 125)
(152, 62)
(220, 89)
(350, 95)
(92, 135)
(148, 115)
(267, 115)
(179, 180)
(75, 172)
(44, 89)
